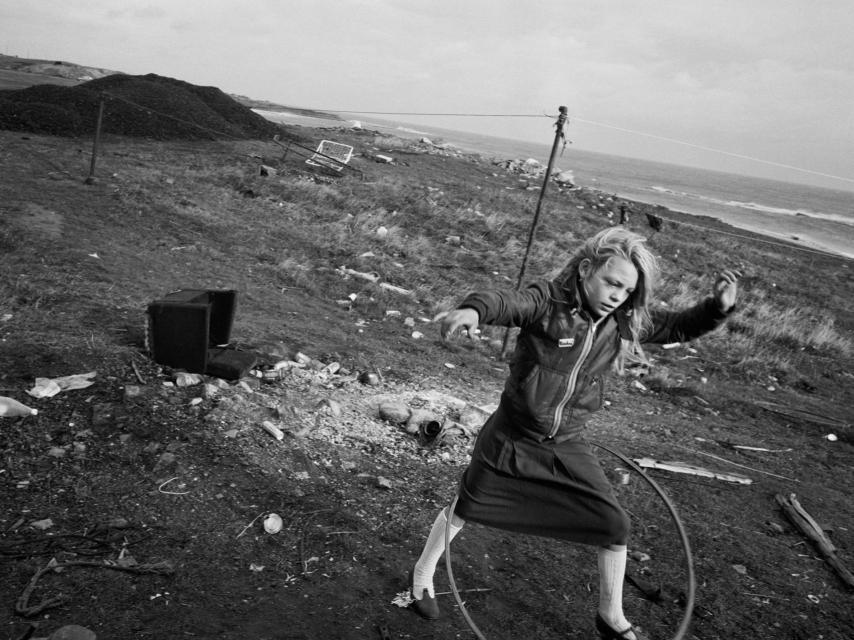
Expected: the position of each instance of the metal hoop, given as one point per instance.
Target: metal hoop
(686, 546)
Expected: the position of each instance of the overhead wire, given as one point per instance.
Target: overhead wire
(598, 124)
(519, 115)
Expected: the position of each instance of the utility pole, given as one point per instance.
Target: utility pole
(559, 135)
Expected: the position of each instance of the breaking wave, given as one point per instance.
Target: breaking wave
(755, 206)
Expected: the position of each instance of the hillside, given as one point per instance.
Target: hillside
(149, 106)
(171, 480)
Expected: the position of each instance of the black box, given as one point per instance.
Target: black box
(188, 329)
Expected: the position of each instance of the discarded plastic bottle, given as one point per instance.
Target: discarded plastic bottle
(11, 408)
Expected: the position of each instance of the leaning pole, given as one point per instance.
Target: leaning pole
(559, 135)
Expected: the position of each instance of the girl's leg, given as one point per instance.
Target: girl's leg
(422, 575)
(612, 571)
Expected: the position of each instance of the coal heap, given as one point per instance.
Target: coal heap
(149, 106)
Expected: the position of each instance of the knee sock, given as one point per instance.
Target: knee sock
(612, 571)
(422, 574)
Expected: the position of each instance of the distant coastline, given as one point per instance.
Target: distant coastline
(810, 217)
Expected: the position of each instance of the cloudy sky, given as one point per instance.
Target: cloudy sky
(671, 80)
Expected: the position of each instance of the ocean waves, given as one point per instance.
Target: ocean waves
(756, 206)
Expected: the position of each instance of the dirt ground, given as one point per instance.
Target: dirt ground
(159, 492)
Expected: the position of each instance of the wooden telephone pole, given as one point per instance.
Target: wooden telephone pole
(559, 135)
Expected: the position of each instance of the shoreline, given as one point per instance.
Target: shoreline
(798, 230)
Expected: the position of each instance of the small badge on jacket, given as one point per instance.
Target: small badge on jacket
(566, 342)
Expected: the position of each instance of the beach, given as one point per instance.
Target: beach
(814, 218)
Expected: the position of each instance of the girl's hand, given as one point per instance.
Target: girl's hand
(726, 290)
(466, 319)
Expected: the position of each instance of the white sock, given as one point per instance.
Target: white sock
(612, 571)
(425, 567)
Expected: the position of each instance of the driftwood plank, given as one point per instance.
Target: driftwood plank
(807, 526)
(690, 469)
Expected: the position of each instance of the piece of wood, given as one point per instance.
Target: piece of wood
(689, 469)
(794, 512)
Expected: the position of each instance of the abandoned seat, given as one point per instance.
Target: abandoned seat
(331, 155)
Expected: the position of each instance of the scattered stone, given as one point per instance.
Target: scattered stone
(740, 569)
(183, 379)
(165, 461)
(41, 525)
(57, 452)
(639, 556)
(132, 391)
(394, 412)
(383, 483)
(73, 632)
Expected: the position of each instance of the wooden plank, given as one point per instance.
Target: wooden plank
(681, 467)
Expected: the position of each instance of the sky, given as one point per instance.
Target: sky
(761, 87)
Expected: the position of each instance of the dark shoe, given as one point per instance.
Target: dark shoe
(606, 632)
(426, 607)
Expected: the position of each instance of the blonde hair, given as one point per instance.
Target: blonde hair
(621, 243)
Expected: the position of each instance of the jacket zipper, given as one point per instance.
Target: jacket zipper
(573, 377)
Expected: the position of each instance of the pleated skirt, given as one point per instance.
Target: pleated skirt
(556, 490)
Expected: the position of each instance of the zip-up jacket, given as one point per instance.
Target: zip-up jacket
(562, 355)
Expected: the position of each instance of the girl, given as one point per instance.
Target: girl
(531, 469)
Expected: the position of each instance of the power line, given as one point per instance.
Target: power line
(459, 115)
(712, 149)
(604, 125)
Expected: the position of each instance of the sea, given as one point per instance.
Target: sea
(810, 217)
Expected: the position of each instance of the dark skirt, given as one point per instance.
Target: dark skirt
(557, 490)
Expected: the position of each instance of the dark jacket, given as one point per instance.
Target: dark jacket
(562, 356)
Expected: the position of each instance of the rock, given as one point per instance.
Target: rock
(132, 391)
(165, 461)
(383, 483)
(267, 171)
(41, 525)
(437, 398)
(183, 379)
(57, 452)
(394, 412)
(73, 632)
(564, 178)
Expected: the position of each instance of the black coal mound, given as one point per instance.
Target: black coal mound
(149, 106)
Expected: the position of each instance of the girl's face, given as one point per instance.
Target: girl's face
(609, 286)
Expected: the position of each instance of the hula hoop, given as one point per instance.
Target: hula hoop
(686, 547)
